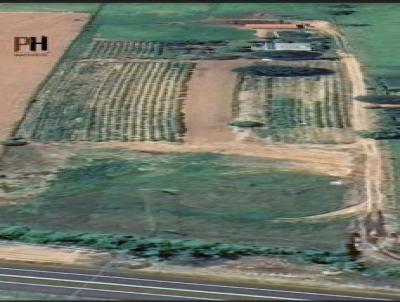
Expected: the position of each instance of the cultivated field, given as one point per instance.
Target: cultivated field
(106, 49)
(104, 101)
(314, 109)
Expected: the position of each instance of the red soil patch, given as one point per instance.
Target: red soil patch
(21, 75)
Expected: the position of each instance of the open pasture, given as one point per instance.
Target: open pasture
(220, 198)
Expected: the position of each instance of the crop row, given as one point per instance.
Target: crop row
(107, 49)
(291, 103)
(131, 101)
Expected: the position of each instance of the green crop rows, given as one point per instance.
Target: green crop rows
(295, 107)
(103, 101)
(105, 49)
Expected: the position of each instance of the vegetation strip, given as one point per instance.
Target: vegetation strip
(164, 249)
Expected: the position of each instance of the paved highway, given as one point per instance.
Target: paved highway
(83, 283)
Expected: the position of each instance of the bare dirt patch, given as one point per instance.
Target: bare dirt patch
(21, 75)
(11, 251)
(208, 108)
(319, 159)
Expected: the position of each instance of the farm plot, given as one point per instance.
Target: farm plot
(104, 101)
(106, 49)
(124, 49)
(297, 109)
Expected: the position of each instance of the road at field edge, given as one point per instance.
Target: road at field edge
(89, 283)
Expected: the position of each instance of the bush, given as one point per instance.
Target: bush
(14, 142)
(282, 71)
(164, 248)
(246, 124)
(380, 99)
(379, 135)
(13, 232)
(285, 55)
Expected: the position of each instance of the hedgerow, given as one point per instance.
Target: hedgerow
(162, 249)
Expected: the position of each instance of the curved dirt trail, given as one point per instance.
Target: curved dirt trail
(346, 212)
(361, 120)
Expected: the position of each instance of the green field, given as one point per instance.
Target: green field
(222, 198)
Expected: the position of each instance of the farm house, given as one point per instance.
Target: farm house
(266, 46)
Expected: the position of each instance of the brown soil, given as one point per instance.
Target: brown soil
(11, 251)
(320, 159)
(323, 26)
(208, 108)
(346, 212)
(22, 75)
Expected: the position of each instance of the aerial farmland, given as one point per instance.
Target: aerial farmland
(248, 139)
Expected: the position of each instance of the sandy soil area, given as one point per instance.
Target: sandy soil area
(320, 159)
(361, 119)
(12, 251)
(208, 108)
(21, 75)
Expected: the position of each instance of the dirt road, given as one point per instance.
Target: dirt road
(318, 159)
(373, 226)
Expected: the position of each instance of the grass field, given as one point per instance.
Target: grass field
(223, 198)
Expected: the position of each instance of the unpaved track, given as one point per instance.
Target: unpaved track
(318, 158)
(363, 119)
(20, 76)
(346, 212)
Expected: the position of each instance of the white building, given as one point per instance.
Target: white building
(282, 46)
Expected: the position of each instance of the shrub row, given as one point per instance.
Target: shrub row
(282, 71)
(378, 135)
(163, 249)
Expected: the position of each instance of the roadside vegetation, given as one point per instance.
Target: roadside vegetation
(165, 249)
